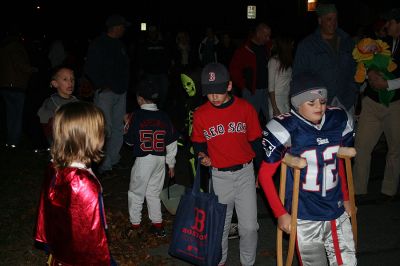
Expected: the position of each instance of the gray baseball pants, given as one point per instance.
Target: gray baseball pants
(237, 189)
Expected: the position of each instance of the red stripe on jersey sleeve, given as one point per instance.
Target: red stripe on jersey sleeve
(265, 175)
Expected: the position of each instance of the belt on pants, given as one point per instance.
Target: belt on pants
(233, 168)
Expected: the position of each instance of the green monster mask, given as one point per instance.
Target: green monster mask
(188, 85)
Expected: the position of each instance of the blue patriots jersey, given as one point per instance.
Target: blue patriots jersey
(150, 132)
(320, 196)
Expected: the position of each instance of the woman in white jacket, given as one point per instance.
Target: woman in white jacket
(279, 76)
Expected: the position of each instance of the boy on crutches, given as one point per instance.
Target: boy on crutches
(314, 132)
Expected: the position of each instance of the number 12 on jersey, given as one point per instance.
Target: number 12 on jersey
(329, 171)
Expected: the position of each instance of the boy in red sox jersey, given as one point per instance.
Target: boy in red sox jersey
(225, 133)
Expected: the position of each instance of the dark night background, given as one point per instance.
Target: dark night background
(77, 22)
(86, 18)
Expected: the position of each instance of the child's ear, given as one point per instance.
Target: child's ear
(229, 86)
(53, 84)
(140, 100)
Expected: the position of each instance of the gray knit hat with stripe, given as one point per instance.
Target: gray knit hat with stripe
(306, 87)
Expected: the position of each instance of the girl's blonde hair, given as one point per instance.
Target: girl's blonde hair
(78, 133)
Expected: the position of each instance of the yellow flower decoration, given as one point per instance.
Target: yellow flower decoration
(367, 48)
(361, 73)
(392, 66)
(384, 48)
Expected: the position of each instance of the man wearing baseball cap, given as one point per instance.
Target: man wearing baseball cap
(327, 53)
(107, 66)
(117, 20)
(226, 133)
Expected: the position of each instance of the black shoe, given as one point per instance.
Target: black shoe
(158, 231)
(233, 231)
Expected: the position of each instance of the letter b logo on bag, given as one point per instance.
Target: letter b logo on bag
(198, 226)
(200, 217)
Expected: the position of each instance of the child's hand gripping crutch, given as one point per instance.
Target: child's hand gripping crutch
(347, 153)
(296, 163)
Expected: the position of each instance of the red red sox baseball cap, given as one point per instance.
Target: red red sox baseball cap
(214, 79)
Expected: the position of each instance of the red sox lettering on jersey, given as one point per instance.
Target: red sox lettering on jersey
(233, 127)
(228, 131)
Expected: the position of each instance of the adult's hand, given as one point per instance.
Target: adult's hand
(376, 80)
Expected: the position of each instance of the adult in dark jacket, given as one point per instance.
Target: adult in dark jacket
(328, 53)
(107, 66)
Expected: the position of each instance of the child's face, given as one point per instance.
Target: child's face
(218, 99)
(313, 110)
(64, 82)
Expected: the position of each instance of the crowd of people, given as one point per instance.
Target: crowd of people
(248, 105)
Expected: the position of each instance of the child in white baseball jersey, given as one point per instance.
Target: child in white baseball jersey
(226, 131)
(315, 132)
(154, 143)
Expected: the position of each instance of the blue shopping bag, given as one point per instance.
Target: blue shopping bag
(198, 227)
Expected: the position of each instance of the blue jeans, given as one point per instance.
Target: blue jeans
(14, 102)
(114, 107)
